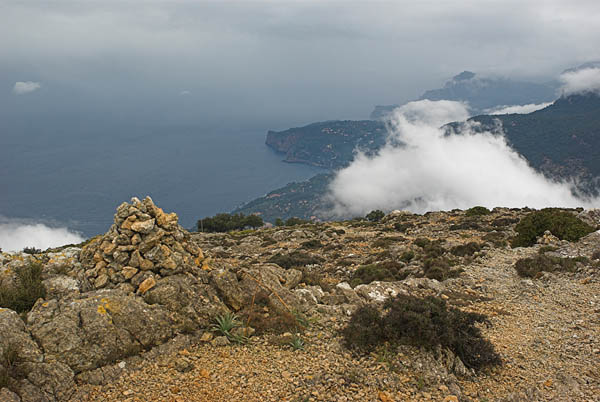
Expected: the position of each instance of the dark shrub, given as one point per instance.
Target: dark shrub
(28, 288)
(466, 249)
(31, 250)
(561, 224)
(532, 267)
(407, 256)
(294, 259)
(425, 322)
(466, 226)
(403, 227)
(228, 222)
(497, 239)
(477, 211)
(596, 255)
(439, 269)
(421, 242)
(311, 244)
(388, 271)
(502, 222)
(375, 216)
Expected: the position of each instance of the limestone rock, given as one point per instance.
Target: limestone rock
(7, 395)
(268, 277)
(92, 331)
(146, 285)
(194, 302)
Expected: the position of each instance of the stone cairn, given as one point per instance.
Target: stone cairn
(143, 245)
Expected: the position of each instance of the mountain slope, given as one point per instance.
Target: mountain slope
(562, 140)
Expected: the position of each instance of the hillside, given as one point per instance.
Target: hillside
(300, 200)
(562, 140)
(151, 333)
(329, 144)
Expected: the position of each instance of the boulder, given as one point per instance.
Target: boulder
(36, 378)
(269, 278)
(192, 301)
(97, 329)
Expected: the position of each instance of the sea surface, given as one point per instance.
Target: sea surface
(75, 175)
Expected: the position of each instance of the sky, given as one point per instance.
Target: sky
(271, 64)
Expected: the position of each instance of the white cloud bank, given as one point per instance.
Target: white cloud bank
(434, 171)
(519, 109)
(22, 88)
(14, 236)
(586, 80)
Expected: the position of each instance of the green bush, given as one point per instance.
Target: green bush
(293, 221)
(467, 249)
(386, 271)
(440, 269)
(295, 259)
(375, 216)
(561, 224)
(403, 227)
(228, 222)
(407, 256)
(28, 288)
(423, 322)
(532, 267)
(477, 211)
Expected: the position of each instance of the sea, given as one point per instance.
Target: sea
(76, 175)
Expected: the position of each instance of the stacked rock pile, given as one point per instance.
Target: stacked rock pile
(142, 245)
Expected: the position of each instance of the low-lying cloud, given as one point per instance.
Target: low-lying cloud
(519, 109)
(16, 235)
(423, 169)
(22, 88)
(585, 80)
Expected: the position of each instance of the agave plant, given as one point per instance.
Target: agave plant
(225, 323)
(297, 343)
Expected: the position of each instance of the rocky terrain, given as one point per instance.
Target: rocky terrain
(133, 315)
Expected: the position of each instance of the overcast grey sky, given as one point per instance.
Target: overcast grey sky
(280, 62)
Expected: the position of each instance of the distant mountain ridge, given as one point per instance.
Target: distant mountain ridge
(482, 93)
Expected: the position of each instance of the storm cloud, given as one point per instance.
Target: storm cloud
(279, 62)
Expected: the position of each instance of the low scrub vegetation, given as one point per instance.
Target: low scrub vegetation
(28, 287)
(423, 322)
(440, 268)
(467, 249)
(295, 259)
(293, 221)
(561, 224)
(533, 267)
(388, 271)
(228, 223)
(477, 211)
(375, 216)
